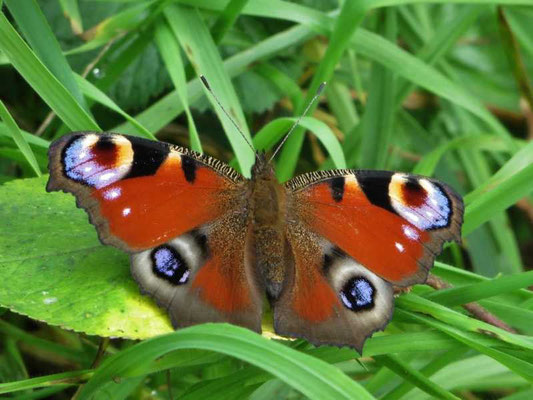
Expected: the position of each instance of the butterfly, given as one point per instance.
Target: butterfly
(326, 249)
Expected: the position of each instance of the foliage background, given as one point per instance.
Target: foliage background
(440, 89)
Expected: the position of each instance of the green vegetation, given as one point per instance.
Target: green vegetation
(440, 89)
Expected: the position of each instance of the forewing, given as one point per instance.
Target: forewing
(180, 214)
(353, 235)
(392, 223)
(141, 193)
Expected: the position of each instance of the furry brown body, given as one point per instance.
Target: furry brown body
(269, 216)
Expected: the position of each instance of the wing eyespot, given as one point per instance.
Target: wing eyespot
(358, 294)
(169, 265)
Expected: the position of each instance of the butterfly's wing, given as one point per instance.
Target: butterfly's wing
(205, 275)
(174, 210)
(353, 235)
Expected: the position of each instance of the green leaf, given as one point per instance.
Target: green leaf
(522, 368)
(76, 282)
(97, 95)
(501, 194)
(170, 51)
(72, 12)
(467, 294)
(200, 48)
(37, 32)
(378, 119)
(404, 370)
(428, 163)
(43, 82)
(227, 18)
(275, 130)
(312, 377)
(19, 139)
(349, 19)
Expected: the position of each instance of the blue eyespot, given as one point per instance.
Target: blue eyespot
(168, 264)
(358, 294)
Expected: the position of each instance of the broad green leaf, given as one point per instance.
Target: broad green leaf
(76, 282)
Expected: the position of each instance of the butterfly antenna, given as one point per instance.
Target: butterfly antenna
(206, 84)
(317, 94)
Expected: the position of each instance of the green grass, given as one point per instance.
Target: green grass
(438, 88)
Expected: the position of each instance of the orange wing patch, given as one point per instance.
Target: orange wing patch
(312, 297)
(383, 242)
(149, 210)
(141, 193)
(221, 287)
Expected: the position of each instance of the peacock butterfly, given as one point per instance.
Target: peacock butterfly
(327, 247)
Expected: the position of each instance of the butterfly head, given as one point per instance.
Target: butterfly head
(262, 169)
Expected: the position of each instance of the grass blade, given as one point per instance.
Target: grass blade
(346, 23)
(37, 32)
(97, 95)
(170, 52)
(275, 130)
(19, 139)
(312, 377)
(227, 18)
(515, 364)
(415, 377)
(376, 126)
(467, 294)
(42, 81)
(198, 44)
(72, 12)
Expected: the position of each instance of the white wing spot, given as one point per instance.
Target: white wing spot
(410, 232)
(400, 247)
(112, 194)
(126, 211)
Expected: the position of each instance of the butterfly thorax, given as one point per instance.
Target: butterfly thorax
(268, 213)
